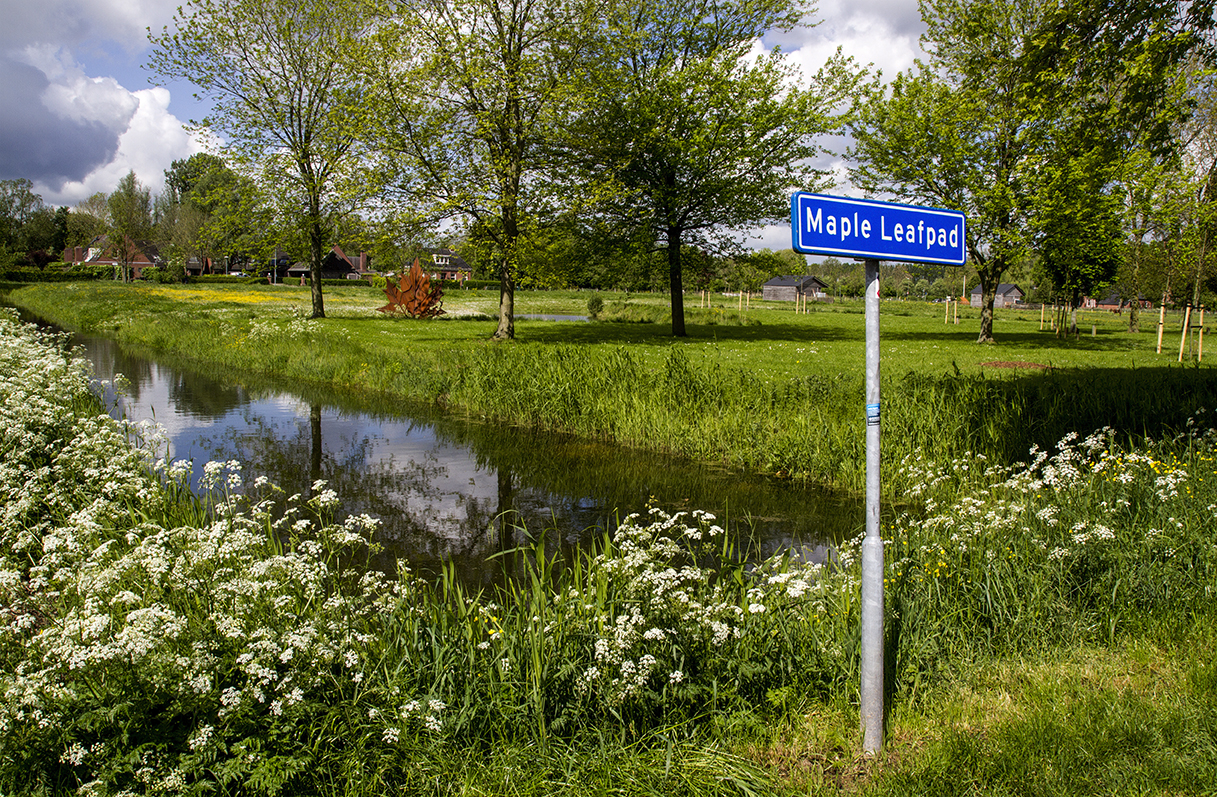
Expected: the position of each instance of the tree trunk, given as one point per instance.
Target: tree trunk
(315, 244)
(509, 209)
(507, 301)
(988, 293)
(1134, 285)
(674, 280)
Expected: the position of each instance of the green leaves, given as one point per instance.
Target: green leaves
(690, 138)
(1021, 119)
(286, 101)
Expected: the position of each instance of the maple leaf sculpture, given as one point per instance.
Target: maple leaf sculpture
(413, 295)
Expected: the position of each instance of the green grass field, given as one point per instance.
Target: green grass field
(769, 339)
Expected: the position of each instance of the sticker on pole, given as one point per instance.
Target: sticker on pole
(872, 414)
(868, 230)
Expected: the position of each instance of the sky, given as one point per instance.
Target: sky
(80, 111)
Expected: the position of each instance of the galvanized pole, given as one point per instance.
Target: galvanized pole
(872, 544)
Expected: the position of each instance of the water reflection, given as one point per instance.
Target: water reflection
(449, 490)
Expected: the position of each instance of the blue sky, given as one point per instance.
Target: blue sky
(80, 111)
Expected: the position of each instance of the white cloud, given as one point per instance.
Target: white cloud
(153, 140)
(65, 63)
(111, 23)
(74, 96)
(883, 34)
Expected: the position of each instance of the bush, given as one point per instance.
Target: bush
(74, 273)
(174, 273)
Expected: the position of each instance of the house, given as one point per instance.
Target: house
(100, 252)
(449, 265)
(1008, 295)
(1113, 302)
(790, 287)
(336, 264)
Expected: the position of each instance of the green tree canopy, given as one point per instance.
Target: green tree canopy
(957, 132)
(285, 100)
(470, 95)
(693, 139)
(130, 228)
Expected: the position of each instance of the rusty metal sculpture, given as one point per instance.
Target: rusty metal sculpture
(413, 295)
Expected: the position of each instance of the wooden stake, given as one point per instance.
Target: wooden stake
(1200, 337)
(956, 303)
(1161, 324)
(1187, 320)
(946, 313)
(1041, 316)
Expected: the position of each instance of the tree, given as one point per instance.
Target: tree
(27, 226)
(471, 95)
(1079, 231)
(216, 213)
(956, 132)
(750, 270)
(88, 220)
(130, 211)
(1116, 74)
(1013, 85)
(692, 139)
(286, 101)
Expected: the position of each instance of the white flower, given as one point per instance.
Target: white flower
(74, 755)
(200, 738)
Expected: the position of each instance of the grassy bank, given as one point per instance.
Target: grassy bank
(766, 390)
(1050, 631)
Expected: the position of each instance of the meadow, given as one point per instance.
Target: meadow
(1049, 610)
(1050, 631)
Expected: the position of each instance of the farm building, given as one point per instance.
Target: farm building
(1008, 295)
(791, 287)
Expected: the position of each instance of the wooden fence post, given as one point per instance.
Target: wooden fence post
(1161, 324)
(1187, 320)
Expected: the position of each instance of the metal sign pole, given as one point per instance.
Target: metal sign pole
(872, 544)
(868, 230)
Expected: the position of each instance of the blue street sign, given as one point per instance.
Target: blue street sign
(861, 228)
